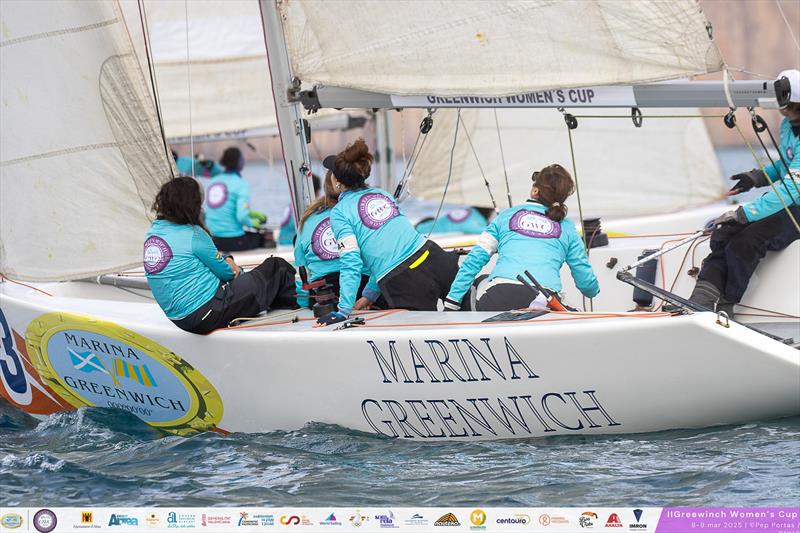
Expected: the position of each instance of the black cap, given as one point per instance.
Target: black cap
(329, 162)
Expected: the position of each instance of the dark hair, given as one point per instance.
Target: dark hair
(555, 185)
(793, 108)
(230, 159)
(317, 183)
(329, 199)
(180, 201)
(353, 165)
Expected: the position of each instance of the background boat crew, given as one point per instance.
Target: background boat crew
(202, 167)
(228, 210)
(288, 231)
(532, 236)
(464, 219)
(315, 247)
(370, 229)
(744, 236)
(198, 288)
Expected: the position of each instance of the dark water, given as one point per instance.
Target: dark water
(102, 457)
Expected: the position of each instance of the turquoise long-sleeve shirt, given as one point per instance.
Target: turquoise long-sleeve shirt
(315, 247)
(461, 220)
(371, 231)
(525, 239)
(771, 203)
(288, 231)
(184, 165)
(228, 205)
(183, 267)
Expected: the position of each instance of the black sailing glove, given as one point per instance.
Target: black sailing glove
(750, 179)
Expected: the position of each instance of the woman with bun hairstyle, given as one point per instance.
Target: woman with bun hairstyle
(410, 271)
(197, 287)
(532, 236)
(315, 249)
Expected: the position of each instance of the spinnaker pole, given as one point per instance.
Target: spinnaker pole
(291, 126)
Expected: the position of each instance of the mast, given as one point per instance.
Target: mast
(384, 140)
(292, 128)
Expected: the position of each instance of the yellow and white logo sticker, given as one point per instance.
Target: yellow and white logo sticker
(90, 362)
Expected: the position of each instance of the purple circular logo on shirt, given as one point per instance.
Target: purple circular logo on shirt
(322, 242)
(375, 210)
(459, 215)
(789, 153)
(534, 224)
(157, 254)
(217, 195)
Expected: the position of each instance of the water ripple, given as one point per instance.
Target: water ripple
(102, 457)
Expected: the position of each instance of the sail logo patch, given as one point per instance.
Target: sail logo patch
(157, 254)
(375, 210)
(534, 224)
(89, 362)
(322, 242)
(217, 195)
(459, 215)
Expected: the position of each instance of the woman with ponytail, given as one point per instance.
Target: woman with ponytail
(533, 236)
(373, 234)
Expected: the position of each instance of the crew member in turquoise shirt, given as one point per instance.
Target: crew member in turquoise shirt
(228, 210)
(315, 248)
(202, 168)
(370, 230)
(743, 237)
(459, 220)
(533, 236)
(198, 288)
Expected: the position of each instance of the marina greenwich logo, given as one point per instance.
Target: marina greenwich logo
(90, 362)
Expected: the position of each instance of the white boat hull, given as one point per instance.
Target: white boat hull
(401, 377)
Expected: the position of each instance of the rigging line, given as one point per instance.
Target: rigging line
(774, 189)
(480, 168)
(774, 165)
(449, 175)
(401, 185)
(153, 82)
(788, 26)
(580, 207)
(189, 82)
(502, 160)
(628, 117)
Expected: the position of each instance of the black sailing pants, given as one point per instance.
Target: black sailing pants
(419, 282)
(736, 250)
(269, 285)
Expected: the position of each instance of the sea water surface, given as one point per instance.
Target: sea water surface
(102, 457)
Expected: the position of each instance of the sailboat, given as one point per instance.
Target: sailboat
(84, 163)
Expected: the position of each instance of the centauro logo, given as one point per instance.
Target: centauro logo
(89, 362)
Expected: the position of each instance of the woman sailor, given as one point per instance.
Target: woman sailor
(228, 207)
(197, 288)
(315, 248)
(533, 236)
(410, 271)
(464, 219)
(743, 237)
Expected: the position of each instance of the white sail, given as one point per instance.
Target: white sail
(666, 165)
(494, 47)
(81, 156)
(226, 63)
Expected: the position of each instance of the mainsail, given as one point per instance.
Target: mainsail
(81, 155)
(494, 47)
(665, 165)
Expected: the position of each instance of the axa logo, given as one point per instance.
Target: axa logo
(290, 520)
